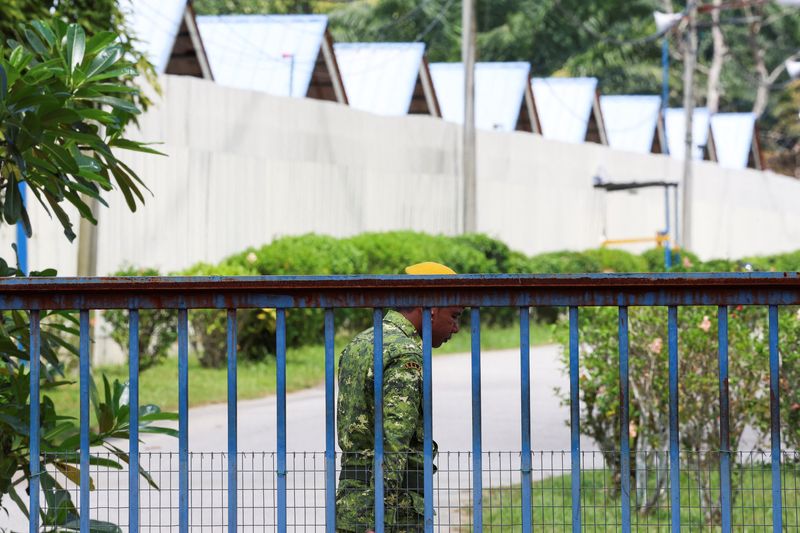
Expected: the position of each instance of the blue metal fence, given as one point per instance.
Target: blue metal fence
(381, 293)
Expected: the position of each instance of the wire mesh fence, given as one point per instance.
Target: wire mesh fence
(551, 501)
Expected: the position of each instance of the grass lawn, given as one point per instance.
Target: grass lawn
(305, 368)
(552, 505)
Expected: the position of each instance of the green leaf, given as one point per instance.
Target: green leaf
(35, 42)
(3, 83)
(152, 417)
(103, 60)
(159, 430)
(62, 158)
(123, 72)
(116, 103)
(76, 46)
(20, 58)
(61, 115)
(11, 208)
(125, 186)
(135, 146)
(114, 88)
(103, 117)
(99, 40)
(45, 32)
(72, 473)
(62, 216)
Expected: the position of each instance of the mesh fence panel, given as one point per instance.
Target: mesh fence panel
(551, 502)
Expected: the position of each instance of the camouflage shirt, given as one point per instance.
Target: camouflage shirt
(402, 428)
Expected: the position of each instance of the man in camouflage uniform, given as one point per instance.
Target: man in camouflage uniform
(402, 418)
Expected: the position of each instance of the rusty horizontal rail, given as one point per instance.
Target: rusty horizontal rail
(781, 288)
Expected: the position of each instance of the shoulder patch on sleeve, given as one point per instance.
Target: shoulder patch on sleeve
(412, 365)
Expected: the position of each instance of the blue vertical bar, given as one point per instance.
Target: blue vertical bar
(84, 416)
(775, 419)
(133, 404)
(676, 256)
(280, 339)
(34, 421)
(667, 244)
(575, 417)
(427, 419)
(477, 448)
(377, 362)
(22, 238)
(674, 443)
(724, 421)
(664, 83)
(183, 421)
(330, 426)
(525, 400)
(232, 424)
(624, 433)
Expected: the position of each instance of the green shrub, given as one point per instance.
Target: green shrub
(157, 327)
(564, 262)
(391, 252)
(613, 260)
(209, 336)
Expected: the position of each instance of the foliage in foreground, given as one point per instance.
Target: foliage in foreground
(65, 100)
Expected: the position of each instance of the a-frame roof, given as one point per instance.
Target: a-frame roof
(633, 122)
(675, 128)
(734, 140)
(503, 100)
(569, 109)
(284, 55)
(387, 78)
(166, 31)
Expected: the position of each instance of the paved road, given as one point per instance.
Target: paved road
(452, 410)
(306, 434)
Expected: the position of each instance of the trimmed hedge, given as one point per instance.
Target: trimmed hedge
(390, 253)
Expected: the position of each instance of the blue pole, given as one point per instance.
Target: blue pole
(35, 467)
(232, 423)
(775, 419)
(477, 446)
(664, 82)
(624, 433)
(377, 361)
(667, 245)
(133, 404)
(280, 349)
(330, 426)
(22, 239)
(427, 418)
(525, 397)
(575, 416)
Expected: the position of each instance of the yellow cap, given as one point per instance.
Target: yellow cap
(429, 268)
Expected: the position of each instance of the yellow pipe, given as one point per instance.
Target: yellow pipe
(658, 239)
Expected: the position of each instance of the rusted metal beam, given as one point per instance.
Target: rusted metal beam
(781, 288)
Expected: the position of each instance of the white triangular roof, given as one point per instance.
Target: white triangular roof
(733, 135)
(380, 77)
(631, 121)
(565, 106)
(499, 92)
(675, 126)
(155, 24)
(270, 53)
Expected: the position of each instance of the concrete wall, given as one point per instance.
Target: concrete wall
(245, 168)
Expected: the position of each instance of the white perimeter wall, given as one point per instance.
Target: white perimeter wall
(246, 167)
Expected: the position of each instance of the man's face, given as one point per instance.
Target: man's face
(444, 324)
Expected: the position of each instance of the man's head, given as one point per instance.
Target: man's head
(444, 320)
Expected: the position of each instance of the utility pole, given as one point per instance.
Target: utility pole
(689, 58)
(468, 38)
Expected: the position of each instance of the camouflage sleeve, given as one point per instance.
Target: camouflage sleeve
(402, 394)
